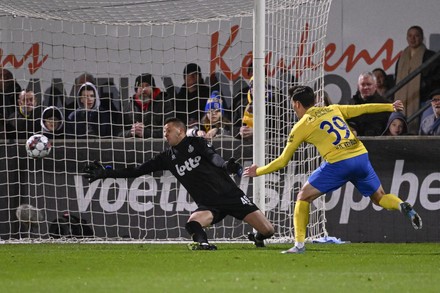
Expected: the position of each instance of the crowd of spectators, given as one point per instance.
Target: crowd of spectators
(91, 112)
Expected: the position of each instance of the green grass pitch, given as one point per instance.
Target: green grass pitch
(373, 267)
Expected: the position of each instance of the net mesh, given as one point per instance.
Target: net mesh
(52, 47)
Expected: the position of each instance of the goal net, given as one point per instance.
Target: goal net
(50, 48)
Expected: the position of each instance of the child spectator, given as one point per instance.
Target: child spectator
(396, 125)
(213, 123)
(87, 119)
(52, 122)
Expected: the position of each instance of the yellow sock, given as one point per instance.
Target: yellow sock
(301, 219)
(390, 202)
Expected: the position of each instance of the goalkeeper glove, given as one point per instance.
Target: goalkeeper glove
(94, 171)
(233, 167)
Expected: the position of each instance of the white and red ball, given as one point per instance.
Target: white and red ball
(38, 146)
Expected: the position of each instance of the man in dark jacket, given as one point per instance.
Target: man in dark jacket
(368, 124)
(191, 100)
(9, 92)
(25, 121)
(146, 111)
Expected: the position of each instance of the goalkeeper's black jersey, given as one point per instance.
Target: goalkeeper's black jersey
(198, 167)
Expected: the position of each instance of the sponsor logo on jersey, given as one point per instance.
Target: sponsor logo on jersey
(188, 165)
(190, 149)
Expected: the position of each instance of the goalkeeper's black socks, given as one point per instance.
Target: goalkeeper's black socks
(196, 231)
(258, 239)
(261, 237)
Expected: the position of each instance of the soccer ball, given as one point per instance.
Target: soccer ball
(38, 146)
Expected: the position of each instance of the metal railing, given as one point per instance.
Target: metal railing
(408, 78)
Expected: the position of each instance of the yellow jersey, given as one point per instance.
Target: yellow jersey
(326, 128)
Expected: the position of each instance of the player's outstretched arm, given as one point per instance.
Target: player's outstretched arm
(250, 171)
(398, 106)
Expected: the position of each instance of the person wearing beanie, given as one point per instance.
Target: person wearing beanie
(213, 123)
(396, 125)
(146, 110)
(191, 99)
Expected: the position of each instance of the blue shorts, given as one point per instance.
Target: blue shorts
(357, 170)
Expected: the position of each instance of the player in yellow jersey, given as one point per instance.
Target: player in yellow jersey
(345, 158)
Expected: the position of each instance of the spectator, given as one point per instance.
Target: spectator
(110, 102)
(145, 112)
(396, 125)
(87, 119)
(240, 101)
(9, 92)
(382, 82)
(213, 123)
(52, 122)
(72, 101)
(416, 92)
(54, 96)
(25, 121)
(431, 124)
(82, 79)
(368, 124)
(276, 114)
(192, 97)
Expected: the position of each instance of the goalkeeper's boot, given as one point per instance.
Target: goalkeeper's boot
(201, 246)
(408, 211)
(295, 250)
(258, 243)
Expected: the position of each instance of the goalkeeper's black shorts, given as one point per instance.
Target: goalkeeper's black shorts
(239, 209)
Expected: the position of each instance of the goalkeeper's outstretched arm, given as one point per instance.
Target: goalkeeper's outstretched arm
(94, 171)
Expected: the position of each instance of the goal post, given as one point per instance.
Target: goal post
(52, 47)
(294, 41)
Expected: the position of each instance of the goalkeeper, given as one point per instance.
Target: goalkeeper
(205, 175)
(345, 158)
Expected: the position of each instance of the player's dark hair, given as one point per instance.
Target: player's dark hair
(304, 94)
(176, 121)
